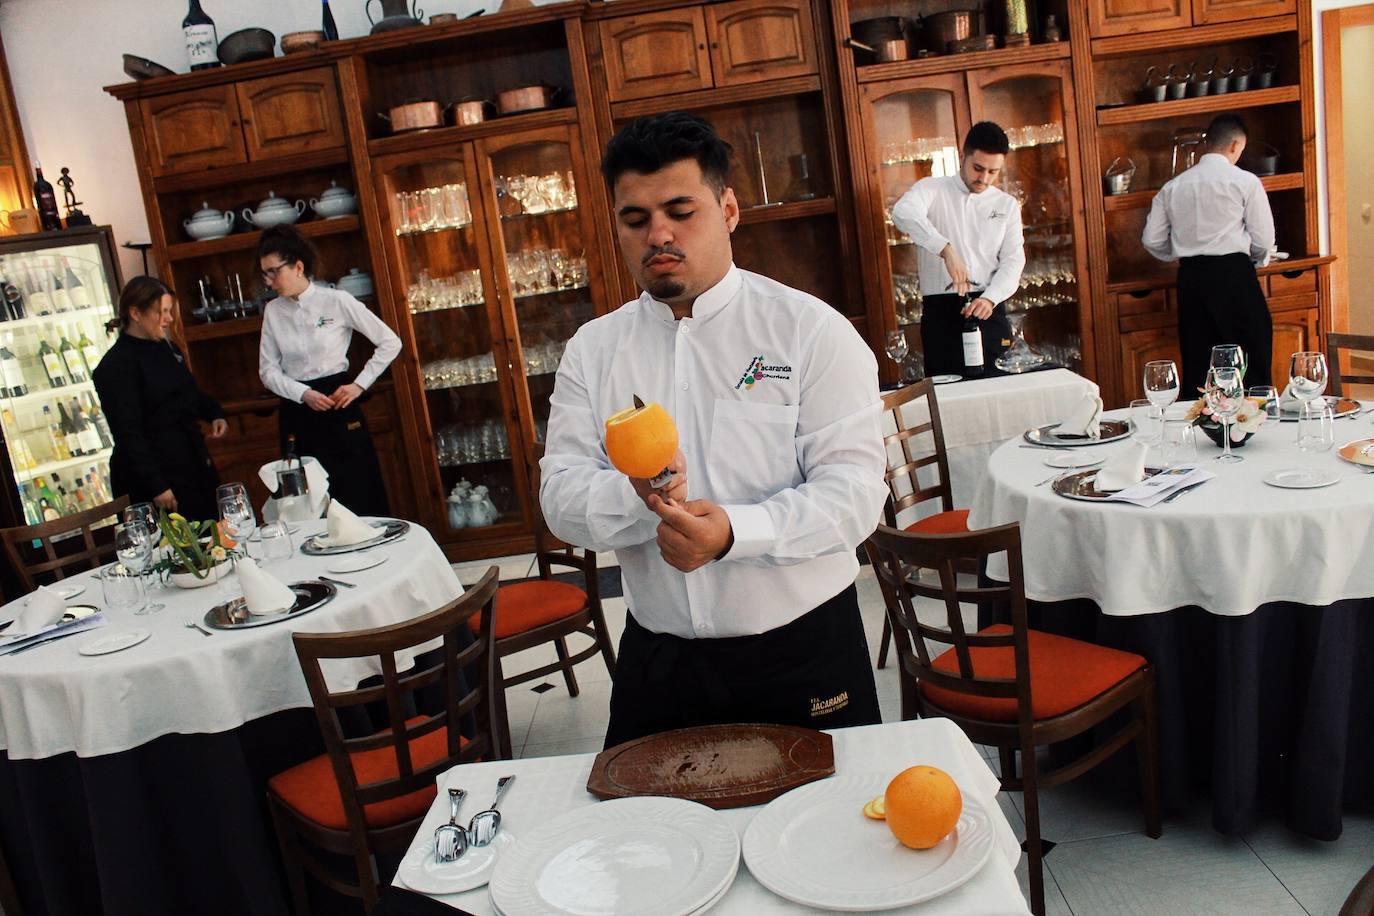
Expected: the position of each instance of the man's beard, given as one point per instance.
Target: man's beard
(666, 289)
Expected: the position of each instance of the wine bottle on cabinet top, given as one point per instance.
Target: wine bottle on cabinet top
(331, 31)
(202, 42)
(46, 200)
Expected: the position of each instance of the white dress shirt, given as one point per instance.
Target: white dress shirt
(985, 229)
(308, 337)
(775, 396)
(1213, 208)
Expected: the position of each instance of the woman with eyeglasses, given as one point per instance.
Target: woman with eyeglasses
(303, 358)
(155, 409)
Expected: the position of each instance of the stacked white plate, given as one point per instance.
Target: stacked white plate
(646, 856)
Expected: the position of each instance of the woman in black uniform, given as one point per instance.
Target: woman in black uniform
(303, 358)
(155, 407)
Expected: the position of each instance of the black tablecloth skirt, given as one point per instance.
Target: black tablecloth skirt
(1274, 708)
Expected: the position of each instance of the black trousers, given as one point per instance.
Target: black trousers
(942, 329)
(1220, 301)
(339, 440)
(813, 672)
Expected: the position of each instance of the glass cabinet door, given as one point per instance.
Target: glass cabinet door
(1030, 104)
(440, 259)
(913, 130)
(546, 248)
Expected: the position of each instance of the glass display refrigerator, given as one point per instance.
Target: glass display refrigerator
(59, 290)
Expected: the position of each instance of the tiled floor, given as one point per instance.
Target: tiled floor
(1103, 864)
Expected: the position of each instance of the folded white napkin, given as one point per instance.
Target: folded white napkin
(345, 528)
(316, 481)
(1124, 469)
(263, 592)
(43, 609)
(1083, 419)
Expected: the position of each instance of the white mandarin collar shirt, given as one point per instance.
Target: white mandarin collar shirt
(307, 338)
(985, 229)
(776, 402)
(1213, 208)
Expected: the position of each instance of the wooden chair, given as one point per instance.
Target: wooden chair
(93, 553)
(1361, 899)
(1335, 343)
(368, 795)
(1011, 687)
(902, 482)
(545, 610)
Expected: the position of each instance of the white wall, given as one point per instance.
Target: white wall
(61, 52)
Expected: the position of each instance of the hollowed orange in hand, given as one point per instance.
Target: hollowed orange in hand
(641, 440)
(922, 805)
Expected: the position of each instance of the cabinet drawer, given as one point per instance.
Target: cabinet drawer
(1288, 282)
(1126, 17)
(1143, 302)
(753, 41)
(1207, 12)
(291, 114)
(188, 131)
(656, 54)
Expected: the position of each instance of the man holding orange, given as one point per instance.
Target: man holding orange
(739, 575)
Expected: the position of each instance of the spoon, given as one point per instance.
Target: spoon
(484, 824)
(192, 625)
(338, 582)
(450, 840)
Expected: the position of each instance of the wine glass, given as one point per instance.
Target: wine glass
(1229, 355)
(1225, 390)
(896, 347)
(1161, 385)
(1307, 377)
(134, 549)
(239, 519)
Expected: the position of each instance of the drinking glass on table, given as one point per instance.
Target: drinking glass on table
(1180, 445)
(1270, 396)
(123, 588)
(1225, 391)
(276, 541)
(134, 550)
(239, 519)
(1161, 384)
(1229, 355)
(1317, 428)
(143, 512)
(1307, 376)
(1147, 422)
(896, 347)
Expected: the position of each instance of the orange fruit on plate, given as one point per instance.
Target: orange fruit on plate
(641, 440)
(923, 805)
(876, 808)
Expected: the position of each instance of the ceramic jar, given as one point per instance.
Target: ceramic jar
(357, 283)
(209, 223)
(335, 202)
(481, 510)
(274, 211)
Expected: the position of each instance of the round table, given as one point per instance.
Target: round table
(1254, 602)
(133, 782)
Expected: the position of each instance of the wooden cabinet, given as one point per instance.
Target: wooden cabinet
(1123, 17)
(1295, 330)
(1139, 347)
(194, 130)
(290, 114)
(1207, 12)
(685, 49)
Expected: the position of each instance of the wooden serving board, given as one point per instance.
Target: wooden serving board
(722, 766)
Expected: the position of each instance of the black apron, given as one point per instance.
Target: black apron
(813, 672)
(942, 329)
(1220, 301)
(339, 440)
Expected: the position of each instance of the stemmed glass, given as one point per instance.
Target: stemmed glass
(1225, 390)
(238, 516)
(134, 549)
(1161, 385)
(1307, 376)
(1232, 355)
(896, 347)
(146, 516)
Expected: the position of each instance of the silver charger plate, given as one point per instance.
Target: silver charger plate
(1340, 407)
(391, 530)
(1111, 430)
(233, 615)
(1083, 485)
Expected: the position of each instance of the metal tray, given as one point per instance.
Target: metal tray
(1341, 407)
(310, 595)
(1083, 485)
(721, 766)
(1111, 430)
(392, 529)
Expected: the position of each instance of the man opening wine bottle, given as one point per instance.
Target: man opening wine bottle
(970, 258)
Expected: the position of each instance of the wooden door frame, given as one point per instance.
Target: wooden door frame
(1333, 21)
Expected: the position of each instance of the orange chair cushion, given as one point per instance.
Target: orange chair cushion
(311, 791)
(524, 606)
(955, 521)
(1064, 673)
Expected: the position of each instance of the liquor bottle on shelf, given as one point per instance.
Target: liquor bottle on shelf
(72, 437)
(52, 364)
(71, 357)
(12, 383)
(57, 440)
(331, 31)
(21, 457)
(47, 500)
(14, 298)
(64, 500)
(90, 353)
(202, 42)
(32, 514)
(99, 491)
(91, 442)
(76, 290)
(102, 425)
(46, 200)
(40, 303)
(61, 301)
(82, 502)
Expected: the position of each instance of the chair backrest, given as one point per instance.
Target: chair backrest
(476, 659)
(1335, 343)
(74, 556)
(549, 550)
(913, 447)
(900, 557)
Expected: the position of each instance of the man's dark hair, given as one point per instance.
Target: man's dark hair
(647, 144)
(987, 137)
(1224, 130)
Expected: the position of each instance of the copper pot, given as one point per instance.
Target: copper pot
(885, 51)
(527, 98)
(471, 111)
(943, 29)
(414, 115)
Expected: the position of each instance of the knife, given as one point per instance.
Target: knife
(1177, 493)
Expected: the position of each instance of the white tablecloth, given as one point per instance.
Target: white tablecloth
(178, 681)
(548, 786)
(980, 414)
(1230, 546)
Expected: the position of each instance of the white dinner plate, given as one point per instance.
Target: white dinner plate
(422, 872)
(65, 592)
(946, 379)
(1300, 478)
(1084, 458)
(113, 642)
(814, 846)
(356, 563)
(645, 856)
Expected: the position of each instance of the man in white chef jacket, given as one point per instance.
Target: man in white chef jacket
(739, 576)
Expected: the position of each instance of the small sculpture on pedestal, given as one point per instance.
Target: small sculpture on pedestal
(74, 216)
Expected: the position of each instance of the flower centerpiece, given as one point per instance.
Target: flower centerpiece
(1244, 424)
(196, 553)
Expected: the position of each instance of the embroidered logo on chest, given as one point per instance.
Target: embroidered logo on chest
(758, 370)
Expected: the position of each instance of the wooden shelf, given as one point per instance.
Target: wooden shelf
(797, 209)
(1152, 42)
(1168, 278)
(949, 63)
(213, 330)
(716, 98)
(1137, 200)
(1182, 108)
(247, 241)
(249, 171)
(450, 136)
